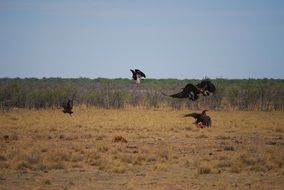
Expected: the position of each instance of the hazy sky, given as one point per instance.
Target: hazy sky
(164, 38)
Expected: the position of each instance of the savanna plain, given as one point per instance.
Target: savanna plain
(140, 148)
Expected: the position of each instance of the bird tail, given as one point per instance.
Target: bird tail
(164, 94)
(187, 115)
(178, 95)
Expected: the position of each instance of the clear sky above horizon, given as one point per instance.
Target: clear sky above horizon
(164, 38)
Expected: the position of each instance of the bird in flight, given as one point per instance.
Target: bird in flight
(201, 119)
(205, 88)
(137, 75)
(189, 91)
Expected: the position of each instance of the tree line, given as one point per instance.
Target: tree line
(238, 94)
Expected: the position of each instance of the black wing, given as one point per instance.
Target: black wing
(200, 118)
(140, 73)
(189, 91)
(134, 75)
(206, 86)
(194, 115)
(190, 88)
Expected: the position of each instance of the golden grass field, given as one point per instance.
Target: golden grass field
(46, 149)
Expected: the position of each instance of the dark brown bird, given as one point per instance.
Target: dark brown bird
(201, 119)
(137, 75)
(189, 91)
(206, 87)
(67, 107)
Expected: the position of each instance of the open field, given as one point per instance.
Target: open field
(46, 149)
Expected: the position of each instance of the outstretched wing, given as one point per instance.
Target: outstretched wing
(134, 76)
(179, 95)
(206, 86)
(189, 91)
(194, 115)
(133, 72)
(140, 73)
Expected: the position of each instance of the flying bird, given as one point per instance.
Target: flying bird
(206, 87)
(201, 119)
(137, 75)
(67, 107)
(189, 91)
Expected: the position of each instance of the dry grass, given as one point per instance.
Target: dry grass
(45, 149)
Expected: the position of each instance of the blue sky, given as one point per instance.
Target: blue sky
(165, 39)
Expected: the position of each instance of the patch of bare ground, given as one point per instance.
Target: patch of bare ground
(140, 148)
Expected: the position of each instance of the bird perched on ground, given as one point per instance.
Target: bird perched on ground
(189, 91)
(201, 119)
(137, 75)
(206, 87)
(68, 106)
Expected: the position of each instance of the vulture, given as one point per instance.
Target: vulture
(205, 88)
(189, 91)
(67, 107)
(137, 75)
(201, 119)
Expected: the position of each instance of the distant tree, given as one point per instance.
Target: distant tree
(243, 94)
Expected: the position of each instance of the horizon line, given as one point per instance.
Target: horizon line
(121, 78)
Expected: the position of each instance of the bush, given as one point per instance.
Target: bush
(246, 94)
